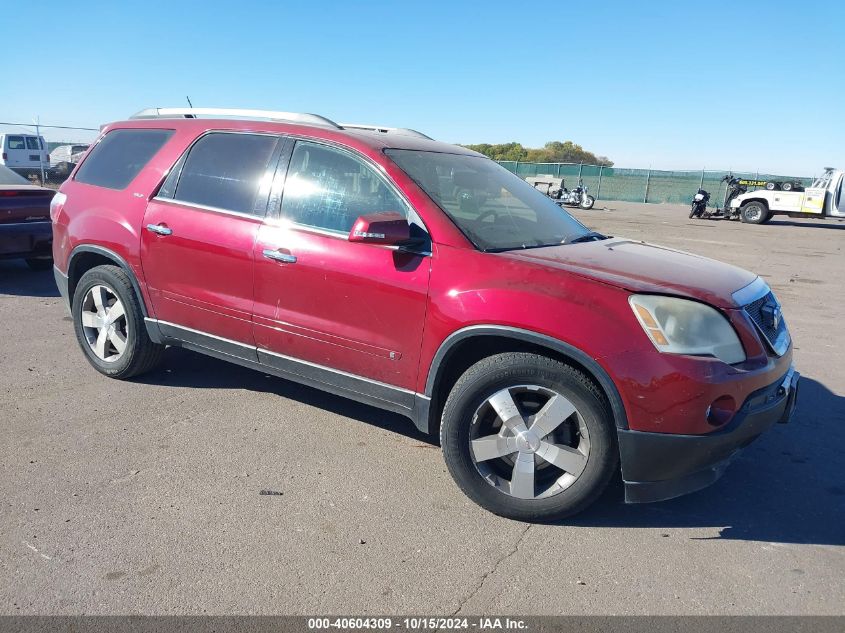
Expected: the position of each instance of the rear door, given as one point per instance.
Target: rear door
(198, 238)
(349, 310)
(14, 151)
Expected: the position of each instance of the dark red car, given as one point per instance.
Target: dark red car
(423, 278)
(25, 230)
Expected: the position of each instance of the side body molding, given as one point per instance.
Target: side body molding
(573, 353)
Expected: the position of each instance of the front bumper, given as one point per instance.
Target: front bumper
(659, 466)
(26, 239)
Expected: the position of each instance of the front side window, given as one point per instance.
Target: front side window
(495, 209)
(225, 171)
(329, 189)
(15, 142)
(120, 156)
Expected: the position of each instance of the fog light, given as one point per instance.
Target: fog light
(721, 411)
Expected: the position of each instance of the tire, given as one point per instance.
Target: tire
(753, 213)
(770, 186)
(39, 264)
(95, 301)
(587, 202)
(787, 186)
(769, 216)
(584, 439)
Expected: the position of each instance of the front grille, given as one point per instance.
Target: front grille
(766, 315)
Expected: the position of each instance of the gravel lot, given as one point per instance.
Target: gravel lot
(143, 497)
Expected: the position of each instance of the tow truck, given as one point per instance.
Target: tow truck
(825, 197)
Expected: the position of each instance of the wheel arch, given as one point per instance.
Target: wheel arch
(466, 346)
(87, 256)
(762, 201)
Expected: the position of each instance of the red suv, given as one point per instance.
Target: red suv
(423, 278)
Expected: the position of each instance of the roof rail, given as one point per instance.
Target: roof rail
(190, 113)
(404, 131)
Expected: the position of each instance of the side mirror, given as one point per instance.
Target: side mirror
(388, 227)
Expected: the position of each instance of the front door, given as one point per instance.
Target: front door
(324, 305)
(199, 233)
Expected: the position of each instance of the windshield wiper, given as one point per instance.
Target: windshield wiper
(592, 236)
(520, 247)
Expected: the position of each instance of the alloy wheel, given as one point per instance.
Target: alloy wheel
(753, 213)
(104, 323)
(529, 442)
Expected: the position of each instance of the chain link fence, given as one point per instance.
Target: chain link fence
(605, 183)
(50, 170)
(642, 185)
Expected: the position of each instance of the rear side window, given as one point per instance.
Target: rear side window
(120, 156)
(32, 143)
(225, 171)
(15, 142)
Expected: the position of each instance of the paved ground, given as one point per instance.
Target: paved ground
(144, 497)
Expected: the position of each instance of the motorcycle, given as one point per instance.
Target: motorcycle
(735, 187)
(698, 208)
(578, 197)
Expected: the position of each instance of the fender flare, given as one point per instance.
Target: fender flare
(117, 259)
(762, 201)
(565, 349)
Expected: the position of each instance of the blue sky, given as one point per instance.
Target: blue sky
(754, 85)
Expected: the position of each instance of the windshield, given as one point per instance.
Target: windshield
(495, 209)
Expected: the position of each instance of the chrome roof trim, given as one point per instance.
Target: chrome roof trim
(273, 115)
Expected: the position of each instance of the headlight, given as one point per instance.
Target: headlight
(679, 326)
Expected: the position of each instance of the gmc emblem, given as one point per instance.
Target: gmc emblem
(772, 313)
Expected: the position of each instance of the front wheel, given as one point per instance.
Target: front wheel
(753, 213)
(587, 202)
(693, 212)
(528, 437)
(109, 324)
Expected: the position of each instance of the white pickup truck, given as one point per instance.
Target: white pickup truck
(824, 198)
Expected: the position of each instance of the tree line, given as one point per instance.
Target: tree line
(551, 152)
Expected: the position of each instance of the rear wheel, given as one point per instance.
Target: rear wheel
(787, 186)
(109, 324)
(753, 213)
(528, 437)
(770, 186)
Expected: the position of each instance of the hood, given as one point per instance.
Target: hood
(643, 267)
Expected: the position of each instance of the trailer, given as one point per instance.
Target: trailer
(824, 198)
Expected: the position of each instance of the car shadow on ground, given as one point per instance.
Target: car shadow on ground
(787, 487)
(17, 279)
(830, 224)
(184, 368)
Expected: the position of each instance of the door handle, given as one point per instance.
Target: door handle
(160, 229)
(279, 256)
